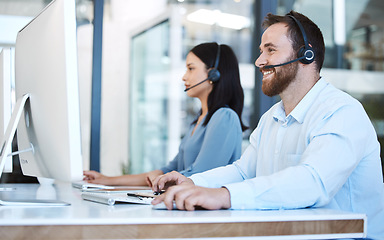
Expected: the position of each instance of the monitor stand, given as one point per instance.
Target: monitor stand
(11, 129)
(6, 144)
(32, 202)
(7, 189)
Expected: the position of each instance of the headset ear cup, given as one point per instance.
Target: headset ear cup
(214, 75)
(307, 53)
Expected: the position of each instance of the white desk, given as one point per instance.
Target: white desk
(89, 220)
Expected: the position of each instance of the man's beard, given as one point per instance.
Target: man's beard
(281, 80)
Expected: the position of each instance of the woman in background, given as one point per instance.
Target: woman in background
(215, 136)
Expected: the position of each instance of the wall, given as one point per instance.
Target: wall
(121, 18)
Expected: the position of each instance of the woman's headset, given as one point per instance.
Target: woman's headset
(214, 74)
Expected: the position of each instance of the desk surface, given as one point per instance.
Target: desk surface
(89, 220)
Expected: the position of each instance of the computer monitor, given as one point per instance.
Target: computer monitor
(5, 99)
(47, 110)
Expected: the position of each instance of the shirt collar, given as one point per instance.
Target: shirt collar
(279, 113)
(299, 112)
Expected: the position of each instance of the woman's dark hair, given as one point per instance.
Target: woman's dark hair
(314, 35)
(227, 91)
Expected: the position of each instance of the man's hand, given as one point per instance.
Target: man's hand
(162, 182)
(189, 197)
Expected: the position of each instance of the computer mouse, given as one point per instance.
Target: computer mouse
(161, 206)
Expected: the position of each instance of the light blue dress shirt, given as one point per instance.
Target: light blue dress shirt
(325, 153)
(214, 145)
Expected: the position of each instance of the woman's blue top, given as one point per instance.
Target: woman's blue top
(214, 145)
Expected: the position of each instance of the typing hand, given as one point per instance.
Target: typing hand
(151, 176)
(95, 177)
(187, 196)
(149, 181)
(162, 182)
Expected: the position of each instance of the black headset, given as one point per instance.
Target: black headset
(306, 53)
(214, 74)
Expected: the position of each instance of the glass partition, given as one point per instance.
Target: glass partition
(149, 75)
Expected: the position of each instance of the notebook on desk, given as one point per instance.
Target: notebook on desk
(112, 198)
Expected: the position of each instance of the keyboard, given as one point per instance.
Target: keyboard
(116, 198)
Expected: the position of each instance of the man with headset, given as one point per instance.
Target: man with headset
(315, 148)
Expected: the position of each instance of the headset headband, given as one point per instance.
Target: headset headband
(217, 57)
(301, 30)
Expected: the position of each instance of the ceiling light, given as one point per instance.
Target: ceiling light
(212, 17)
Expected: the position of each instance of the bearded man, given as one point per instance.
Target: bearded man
(314, 148)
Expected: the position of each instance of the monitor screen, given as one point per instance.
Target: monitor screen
(46, 70)
(5, 100)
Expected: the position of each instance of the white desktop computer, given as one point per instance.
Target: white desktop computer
(47, 111)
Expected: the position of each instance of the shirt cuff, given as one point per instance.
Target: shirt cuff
(242, 195)
(199, 180)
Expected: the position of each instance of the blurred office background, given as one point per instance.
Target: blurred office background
(144, 110)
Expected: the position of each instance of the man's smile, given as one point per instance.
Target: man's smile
(267, 72)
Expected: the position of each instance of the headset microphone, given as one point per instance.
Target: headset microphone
(282, 64)
(196, 84)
